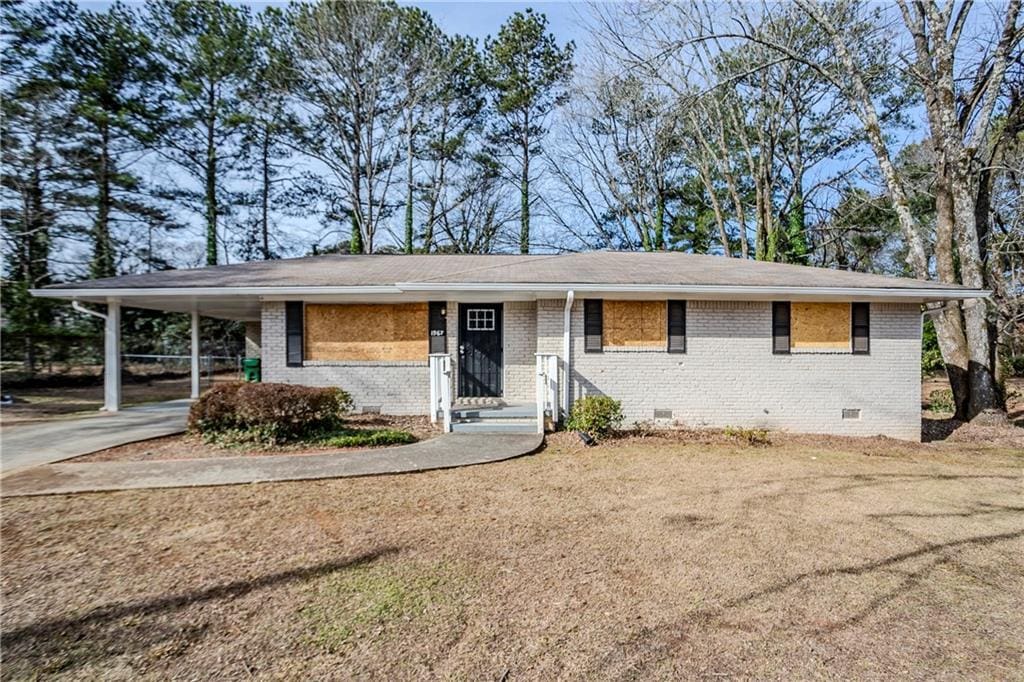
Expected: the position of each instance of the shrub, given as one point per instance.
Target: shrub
(941, 400)
(755, 437)
(597, 415)
(266, 413)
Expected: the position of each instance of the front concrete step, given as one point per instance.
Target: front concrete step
(497, 426)
(517, 412)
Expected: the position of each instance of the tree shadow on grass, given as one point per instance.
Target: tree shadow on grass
(663, 642)
(129, 627)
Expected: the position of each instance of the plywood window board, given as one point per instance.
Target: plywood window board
(635, 324)
(820, 326)
(367, 332)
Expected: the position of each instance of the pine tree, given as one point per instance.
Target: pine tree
(527, 73)
(208, 51)
(104, 64)
(33, 119)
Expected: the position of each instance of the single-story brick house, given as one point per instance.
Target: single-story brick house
(678, 338)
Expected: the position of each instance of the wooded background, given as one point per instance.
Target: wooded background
(839, 134)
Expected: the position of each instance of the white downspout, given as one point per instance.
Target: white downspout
(566, 348)
(194, 357)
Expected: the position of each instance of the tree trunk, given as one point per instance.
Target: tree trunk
(265, 197)
(103, 256)
(659, 221)
(524, 220)
(985, 393)
(211, 178)
(949, 324)
(408, 185)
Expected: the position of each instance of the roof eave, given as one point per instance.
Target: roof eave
(736, 292)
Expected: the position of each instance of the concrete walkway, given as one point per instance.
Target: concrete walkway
(443, 452)
(32, 444)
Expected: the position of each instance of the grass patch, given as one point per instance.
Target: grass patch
(354, 438)
(338, 437)
(367, 600)
(941, 400)
(752, 437)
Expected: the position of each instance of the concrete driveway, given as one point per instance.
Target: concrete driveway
(33, 444)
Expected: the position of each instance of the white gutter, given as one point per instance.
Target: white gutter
(758, 292)
(178, 292)
(732, 289)
(566, 348)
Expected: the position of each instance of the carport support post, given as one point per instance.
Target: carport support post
(112, 357)
(195, 354)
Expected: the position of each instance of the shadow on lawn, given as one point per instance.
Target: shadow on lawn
(651, 646)
(117, 629)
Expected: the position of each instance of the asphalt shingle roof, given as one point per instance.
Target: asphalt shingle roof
(596, 267)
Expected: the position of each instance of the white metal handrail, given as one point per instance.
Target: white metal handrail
(547, 388)
(441, 389)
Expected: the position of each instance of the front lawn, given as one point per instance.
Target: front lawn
(641, 558)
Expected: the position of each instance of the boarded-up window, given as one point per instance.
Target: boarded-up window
(592, 325)
(820, 326)
(677, 326)
(635, 324)
(293, 333)
(860, 323)
(367, 332)
(780, 327)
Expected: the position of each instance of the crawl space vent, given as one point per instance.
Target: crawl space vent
(851, 413)
(663, 414)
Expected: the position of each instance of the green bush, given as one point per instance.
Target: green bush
(1017, 365)
(931, 356)
(266, 413)
(941, 400)
(597, 415)
(755, 437)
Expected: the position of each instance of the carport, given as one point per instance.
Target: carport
(198, 302)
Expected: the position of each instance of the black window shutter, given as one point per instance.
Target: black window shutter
(860, 319)
(593, 324)
(780, 327)
(677, 326)
(438, 327)
(293, 332)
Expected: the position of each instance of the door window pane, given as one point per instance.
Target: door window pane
(480, 319)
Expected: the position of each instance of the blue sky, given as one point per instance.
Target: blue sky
(480, 19)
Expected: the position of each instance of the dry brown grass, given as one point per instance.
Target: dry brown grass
(641, 558)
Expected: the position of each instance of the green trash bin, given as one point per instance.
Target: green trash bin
(251, 369)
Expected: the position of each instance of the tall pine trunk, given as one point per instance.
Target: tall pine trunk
(524, 198)
(408, 184)
(211, 180)
(103, 250)
(265, 196)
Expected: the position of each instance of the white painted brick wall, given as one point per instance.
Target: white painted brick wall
(252, 339)
(729, 376)
(520, 344)
(396, 387)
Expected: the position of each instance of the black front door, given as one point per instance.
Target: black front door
(480, 352)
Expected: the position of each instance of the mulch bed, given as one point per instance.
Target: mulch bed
(185, 446)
